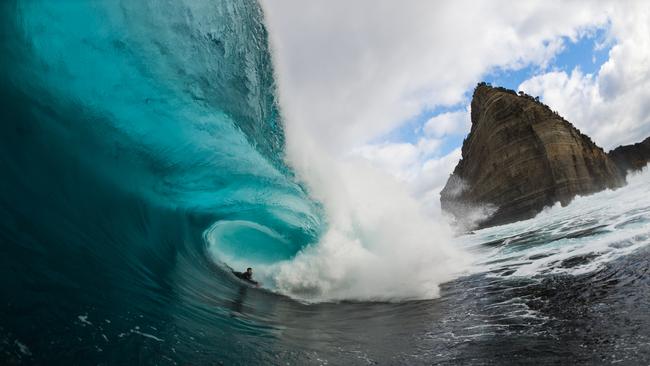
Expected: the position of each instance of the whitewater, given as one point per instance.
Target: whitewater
(145, 151)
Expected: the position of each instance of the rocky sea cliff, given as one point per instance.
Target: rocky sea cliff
(520, 156)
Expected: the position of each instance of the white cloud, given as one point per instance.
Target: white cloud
(425, 174)
(419, 164)
(450, 123)
(612, 105)
(409, 161)
(350, 71)
(402, 160)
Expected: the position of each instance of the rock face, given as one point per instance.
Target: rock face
(519, 157)
(631, 157)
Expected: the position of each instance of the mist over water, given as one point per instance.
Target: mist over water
(143, 154)
(379, 245)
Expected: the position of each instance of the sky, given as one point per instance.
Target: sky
(391, 81)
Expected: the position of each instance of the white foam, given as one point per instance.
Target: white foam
(84, 319)
(23, 348)
(379, 244)
(136, 330)
(147, 335)
(621, 216)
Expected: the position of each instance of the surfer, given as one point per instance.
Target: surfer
(247, 276)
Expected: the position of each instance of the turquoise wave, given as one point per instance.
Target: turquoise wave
(175, 104)
(129, 128)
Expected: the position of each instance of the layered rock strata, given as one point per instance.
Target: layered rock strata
(519, 157)
(631, 157)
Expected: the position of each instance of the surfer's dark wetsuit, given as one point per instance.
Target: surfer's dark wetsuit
(246, 276)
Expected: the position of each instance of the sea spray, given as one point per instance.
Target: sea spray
(577, 239)
(379, 245)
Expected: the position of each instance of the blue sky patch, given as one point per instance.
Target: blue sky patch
(587, 53)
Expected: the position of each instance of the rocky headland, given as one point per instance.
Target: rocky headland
(520, 156)
(631, 157)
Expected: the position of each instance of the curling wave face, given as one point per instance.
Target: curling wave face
(129, 128)
(173, 105)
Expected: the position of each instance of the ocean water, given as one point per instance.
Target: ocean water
(143, 154)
